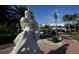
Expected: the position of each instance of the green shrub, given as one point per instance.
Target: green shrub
(55, 39)
(53, 33)
(3, 29)
(4, 39)
(72, 33)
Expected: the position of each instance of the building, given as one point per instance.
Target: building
(53, 26)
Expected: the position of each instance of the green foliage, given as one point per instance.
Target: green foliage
(72, 32)
(75, 37)
(46, 31)
(4, 39)
(11, 14)
(3, 29)
(54, 39)
(45, 27)
(53, 33)
(69, 17)
(9, 18)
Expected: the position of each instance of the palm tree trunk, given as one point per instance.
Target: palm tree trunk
(74, 26)
(69, 28)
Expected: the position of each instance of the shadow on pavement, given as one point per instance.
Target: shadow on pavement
(61, 50)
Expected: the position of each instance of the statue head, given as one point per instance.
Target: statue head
(27, 14)
(27, 21)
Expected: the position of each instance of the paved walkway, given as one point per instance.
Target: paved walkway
(66, 46)
(47, 46)
(73, 47)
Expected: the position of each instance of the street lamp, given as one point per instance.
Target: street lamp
(55, 15)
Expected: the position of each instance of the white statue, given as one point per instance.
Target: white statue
(26, 41)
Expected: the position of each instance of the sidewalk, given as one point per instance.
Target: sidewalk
(69, 46)
(73, 47)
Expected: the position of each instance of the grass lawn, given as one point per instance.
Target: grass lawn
(75, 37)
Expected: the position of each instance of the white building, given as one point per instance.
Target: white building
(60, 26)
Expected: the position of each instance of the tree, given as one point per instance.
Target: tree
(71, 17)
(46, 29)
(74, 19)
(11, 14)
(3, 14)
(67, 18)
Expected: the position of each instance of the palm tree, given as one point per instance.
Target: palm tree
(71, 17)
(3, 13)
(74, 19)
(4, 19)
(11, 14)
(66, 18)
(16, 12)
(77, 23)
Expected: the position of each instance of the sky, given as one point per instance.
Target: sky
(44, 13)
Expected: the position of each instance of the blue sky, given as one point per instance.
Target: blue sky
(43, 13)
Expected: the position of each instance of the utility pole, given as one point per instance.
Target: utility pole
(55, 15)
